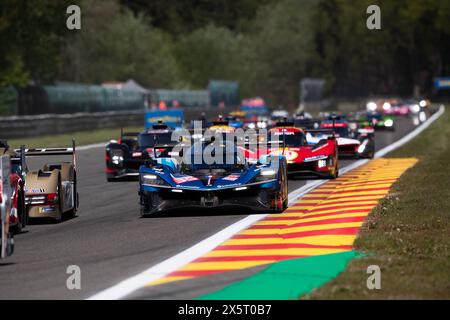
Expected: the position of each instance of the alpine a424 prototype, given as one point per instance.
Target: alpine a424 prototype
(229, 181)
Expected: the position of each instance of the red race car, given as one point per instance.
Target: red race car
(320, 159)
(18, 218)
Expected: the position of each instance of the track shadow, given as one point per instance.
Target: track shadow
(204, 212)
(124, 179)
(47, 221)
(23, 231)
(299, 177)
(7, 264)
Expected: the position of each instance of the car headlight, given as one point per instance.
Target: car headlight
(152, 180)
(361, 148)
(116, 156)
(322, 163)
(386, 106)
(415, 108)
(423, 103)
(422, 116)
(371, 106)
(262, 125)
(388, 123)
(265, 175)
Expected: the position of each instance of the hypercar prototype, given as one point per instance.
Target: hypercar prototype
(389, 106)
(6, 237)
(355, 143)
(306, 122)
(226, 181)
(125, 156)
(318, 159)
(18, 219)
(221, 126)
(375, 119)
(51, 192)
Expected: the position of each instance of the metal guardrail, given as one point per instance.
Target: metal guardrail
(47, 124)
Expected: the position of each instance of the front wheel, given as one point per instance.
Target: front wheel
(60, 200)
(75, 196)
(21, 213)
(334, 174)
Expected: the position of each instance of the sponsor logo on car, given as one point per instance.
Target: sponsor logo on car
(184, 179)
(232, 177)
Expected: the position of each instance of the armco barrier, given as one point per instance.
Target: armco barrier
(33, 126)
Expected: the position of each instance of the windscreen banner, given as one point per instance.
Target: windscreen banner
(172, 118)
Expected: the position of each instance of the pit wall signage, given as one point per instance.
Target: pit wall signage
(442, 83)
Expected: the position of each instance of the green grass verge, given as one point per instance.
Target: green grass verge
(408, 234)
(81, 138)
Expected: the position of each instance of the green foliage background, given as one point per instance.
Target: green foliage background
(266, 45)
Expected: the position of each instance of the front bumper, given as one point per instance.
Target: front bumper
(310, 168)
(44, 211)
(155, 200)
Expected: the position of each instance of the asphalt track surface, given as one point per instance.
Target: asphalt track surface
(110, 242)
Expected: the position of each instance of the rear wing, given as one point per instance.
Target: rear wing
(42, 152)
(19, 156)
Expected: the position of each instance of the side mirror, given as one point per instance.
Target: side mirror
(264, 159)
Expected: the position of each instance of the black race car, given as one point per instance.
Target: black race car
(125, 156)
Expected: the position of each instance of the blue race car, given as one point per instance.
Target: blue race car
(229, 181)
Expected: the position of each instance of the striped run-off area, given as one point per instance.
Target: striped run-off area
(325, 221)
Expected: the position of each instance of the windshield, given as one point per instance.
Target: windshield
(289, 139)
(341, 132)
(153, 139)
(223, 155)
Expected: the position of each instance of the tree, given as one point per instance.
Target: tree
(279, 50)
(208, 53)
(31, 35)
(116, 45)
(184, 16)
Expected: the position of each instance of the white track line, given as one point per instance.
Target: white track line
(92, 146)
(162, 269)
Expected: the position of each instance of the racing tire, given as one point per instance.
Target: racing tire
(59, 218)
(335, 174)
(285, 204)
(286, 200)
(280, 204)
(76, 201)
(16, 229)
(21, 213)
(145, 208)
